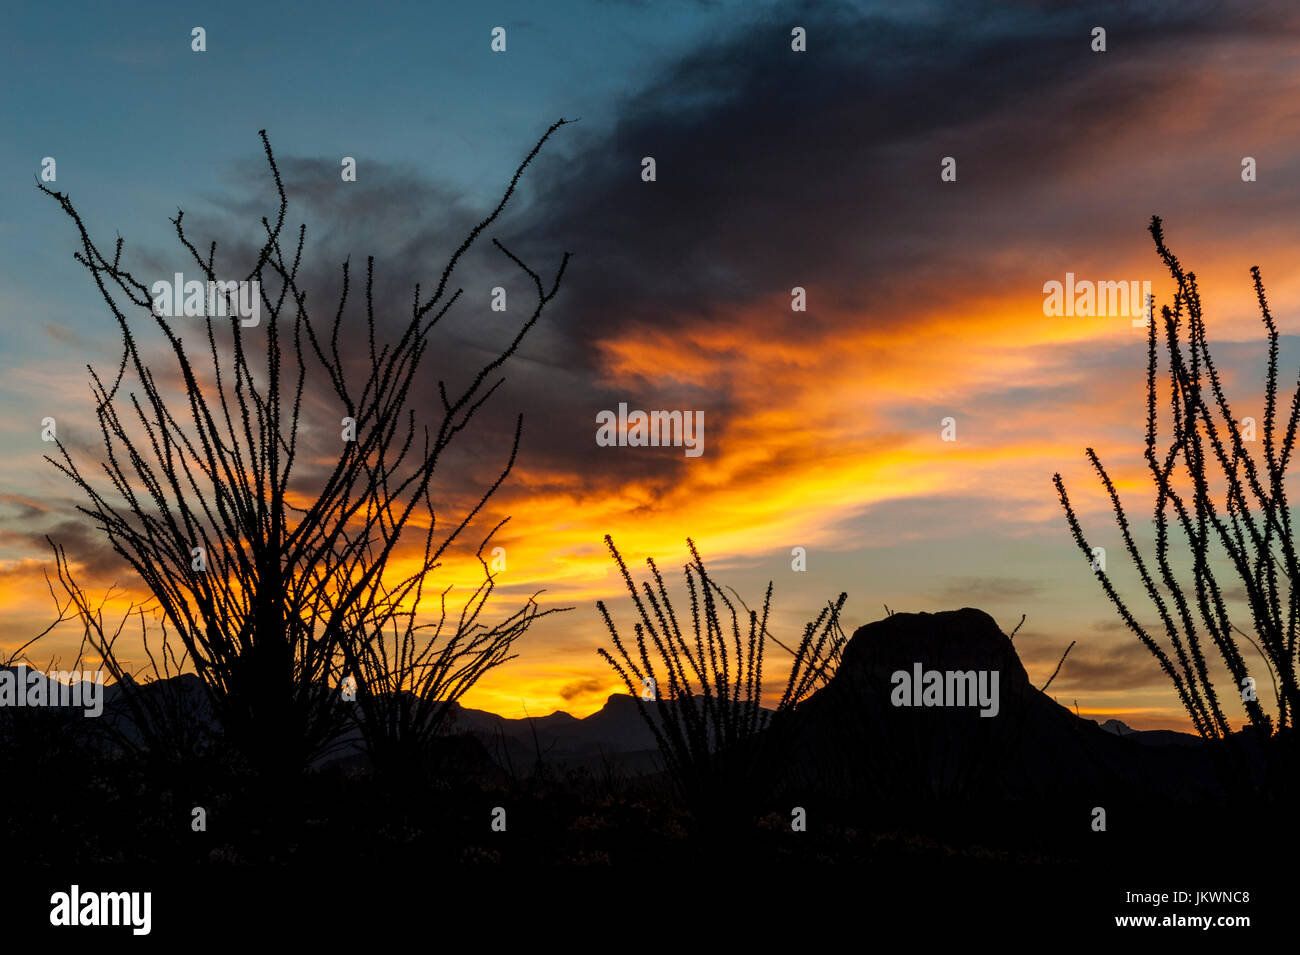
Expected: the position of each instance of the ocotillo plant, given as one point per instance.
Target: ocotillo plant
(715, 738)
(1223, 498)
(413, 671)
(265, 567)
(156, 718)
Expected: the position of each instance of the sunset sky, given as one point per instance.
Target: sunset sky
(775, 169)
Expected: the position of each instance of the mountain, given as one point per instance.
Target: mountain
(853, 735)
(1151, 737)
(853, 731)
(1117, 727)
(615, 730)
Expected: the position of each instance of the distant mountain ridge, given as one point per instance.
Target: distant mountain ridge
(1151, 737)
(844, 725)
(616, 728)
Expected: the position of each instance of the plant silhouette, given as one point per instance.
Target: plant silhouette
(1223, 501)
(277, 581)
(718, 744)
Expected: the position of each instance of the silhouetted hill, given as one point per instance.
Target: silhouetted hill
(615, 727)
(614, 730)
(853, 738)
(1151, 737)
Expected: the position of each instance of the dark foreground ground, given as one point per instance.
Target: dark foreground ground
(919, 826)
(324, 854)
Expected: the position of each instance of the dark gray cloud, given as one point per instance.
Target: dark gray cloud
(26, 526)
(571, 691)
(821, 169)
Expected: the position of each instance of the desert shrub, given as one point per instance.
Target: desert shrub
(1226, 508)
(720, 747)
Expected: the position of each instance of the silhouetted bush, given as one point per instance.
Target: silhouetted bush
(296, 586)
(720, 747)
(1226, 503)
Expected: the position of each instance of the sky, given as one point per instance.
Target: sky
(775, 169)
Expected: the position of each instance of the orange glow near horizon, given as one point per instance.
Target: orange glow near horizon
(823, 428)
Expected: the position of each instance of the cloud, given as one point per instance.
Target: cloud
(578, 688)
(678, 296)
(28, 521)
(1124, 666)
